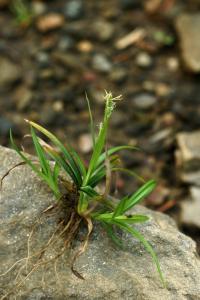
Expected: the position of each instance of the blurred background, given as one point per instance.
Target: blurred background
(53, 52)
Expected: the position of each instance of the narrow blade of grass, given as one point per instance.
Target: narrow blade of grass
(89, 191)
(77, 167)
(63, 164)
(132, 219)
(147, 246)
(141, 193)
(120, 207)
(44, 163)
(27, 160)
(91, 121)
(114, 150)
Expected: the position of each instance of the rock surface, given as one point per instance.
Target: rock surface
(9, 72)
(109, 272)
(190, 209)
(187, 26)
(189, 150)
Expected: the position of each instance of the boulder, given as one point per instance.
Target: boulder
(187, 26)
(109, 272)
(9, 72)
(190, 208)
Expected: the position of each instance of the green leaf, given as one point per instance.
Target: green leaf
(100, 172)
(106, 217)
(47, 178)
(27, 160)
(76, 166)
(63, 164)
(120, 207)
(100, 142)
(131, 219)
(139, 195)
(113, 150)
(56, 171)
(89, 191)
(91, 121)
(44, 163)
(146, 244)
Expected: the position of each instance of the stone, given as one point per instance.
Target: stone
(144, 101)
(143, 60)
(190, 209)
(23, 97)
(85, 46)
(49, 22)
(66, 43)
(173, 64)
(188, 154)
(191, 177)
(118, 75)
(74, 9)
(9, 72)
(85, 143)
(109, 272)
(187, 26)
(103, 30)
(38, 8)
(101, 63)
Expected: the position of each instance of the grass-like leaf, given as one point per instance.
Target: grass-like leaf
(139, 195)
(73, 159)
(91, 121)
(146, 244)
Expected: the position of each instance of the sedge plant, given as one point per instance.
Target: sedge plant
(89, 204)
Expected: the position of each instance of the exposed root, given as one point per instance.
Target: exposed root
(69, 230)
(8, 172)
(83, 248)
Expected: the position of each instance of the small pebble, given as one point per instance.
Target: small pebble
(103, 30)
(85, 46)
(144, 101)
(173, 64)
(65, 43)
(58, 106)
(74, 9)
(49, 22)
(101, 63)
(144, 60)
(85, 143)
(38, 8)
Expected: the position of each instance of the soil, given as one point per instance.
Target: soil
(80, 54)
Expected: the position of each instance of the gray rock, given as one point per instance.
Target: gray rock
(191, 177)
(74, 9)
(9, 72)
(101, 63)
(188, 155)
(144, 101)
(143, 60)
(187, 26)
(103, 30)
(110, 273)
(190, 209)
